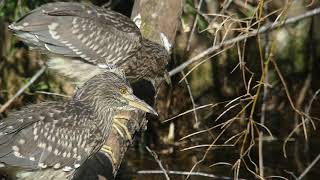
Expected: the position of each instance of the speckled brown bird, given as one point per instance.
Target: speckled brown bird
(83, 40)
(62, 135)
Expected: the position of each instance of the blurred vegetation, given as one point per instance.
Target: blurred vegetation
(230, 83)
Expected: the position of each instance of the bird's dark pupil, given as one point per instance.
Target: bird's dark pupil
(123, 90)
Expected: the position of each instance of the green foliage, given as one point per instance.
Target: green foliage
(13, 9)
(190, 9)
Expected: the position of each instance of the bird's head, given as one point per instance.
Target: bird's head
(158, 58)
(111, 90)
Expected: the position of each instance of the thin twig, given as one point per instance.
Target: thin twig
(202, 131)
(277, 177)
(263, 29)
(54, 94)
(293, 106)
(190, 110)
(291, 174)
(318, 157)
(207, 151)
(225, 6)
(221, 164)
(264, 98)
(185, 173)
(194, 25)
(156, 158)
(300, 100)
(221, 13)
(311, 101)
(244, 5)
(196, 125)
(309, 167)
(107, 4)
(205, 146)
(21, 90)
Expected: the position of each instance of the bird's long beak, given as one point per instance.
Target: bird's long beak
(139, 104)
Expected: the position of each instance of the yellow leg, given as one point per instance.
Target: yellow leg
(118, 130)
(108, 150)
(117, 123)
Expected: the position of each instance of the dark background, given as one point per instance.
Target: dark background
(294, 49)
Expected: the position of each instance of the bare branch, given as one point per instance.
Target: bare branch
(22, 89)
(309, 167)
(263, 29)
(186, 173)
(156, 158)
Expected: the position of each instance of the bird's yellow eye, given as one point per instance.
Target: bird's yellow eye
(123, 90)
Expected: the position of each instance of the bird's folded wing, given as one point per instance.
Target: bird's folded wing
(97, 35)
(41, 137)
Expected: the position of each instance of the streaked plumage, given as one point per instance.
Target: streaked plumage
(63, 135)
(74, 34)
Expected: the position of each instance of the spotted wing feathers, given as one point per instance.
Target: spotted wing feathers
(92, 33)
(46, 135)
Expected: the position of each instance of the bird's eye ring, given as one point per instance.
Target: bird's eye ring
(123, 90)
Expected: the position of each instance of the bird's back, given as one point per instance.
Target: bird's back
(84, 40)
(94, 34)
(49, 134)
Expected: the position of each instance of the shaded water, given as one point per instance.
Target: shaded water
(299, 157)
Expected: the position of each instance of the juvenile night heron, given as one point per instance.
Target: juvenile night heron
(83, 40)
(56, 135)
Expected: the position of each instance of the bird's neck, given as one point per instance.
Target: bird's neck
(99, 115)
(104, 120)
(103, 117)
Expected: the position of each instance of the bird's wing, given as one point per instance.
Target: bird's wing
(46, 135)
(96, 35)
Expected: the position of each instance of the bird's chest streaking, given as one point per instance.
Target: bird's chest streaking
(57, 136)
